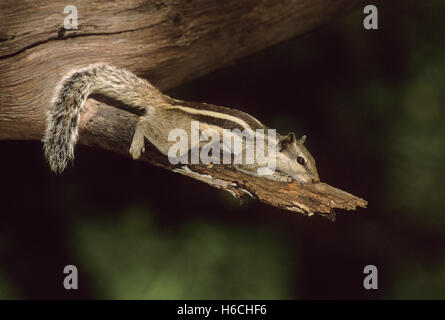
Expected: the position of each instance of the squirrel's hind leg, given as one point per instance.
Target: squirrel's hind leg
(138, 144)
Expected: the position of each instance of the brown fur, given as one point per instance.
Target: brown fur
(160, 114)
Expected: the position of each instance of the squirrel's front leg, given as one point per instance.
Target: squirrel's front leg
(251, 170)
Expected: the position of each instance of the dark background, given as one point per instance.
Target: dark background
(371, 103)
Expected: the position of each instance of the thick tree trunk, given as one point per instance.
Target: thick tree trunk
(168, 42)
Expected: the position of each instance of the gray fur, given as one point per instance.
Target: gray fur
(161, 114)
(63, 116)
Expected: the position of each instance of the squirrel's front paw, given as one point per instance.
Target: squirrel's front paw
(281, 177)
(287, 179)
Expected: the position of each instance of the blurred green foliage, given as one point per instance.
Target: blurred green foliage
(7, 290)
(419, 282)
(134, 258)
(416, 148)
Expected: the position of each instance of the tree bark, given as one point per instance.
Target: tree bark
(168, 42)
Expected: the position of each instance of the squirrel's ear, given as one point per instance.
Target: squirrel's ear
(290, 138)
(302, 139)
(286, 141)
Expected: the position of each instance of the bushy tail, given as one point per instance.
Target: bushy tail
(63, 116)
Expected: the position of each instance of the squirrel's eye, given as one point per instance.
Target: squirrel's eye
(300, 160)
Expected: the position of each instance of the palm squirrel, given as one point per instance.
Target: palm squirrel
(160, 115)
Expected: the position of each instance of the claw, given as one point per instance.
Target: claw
(135, 154)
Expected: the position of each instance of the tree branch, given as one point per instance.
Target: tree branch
(168, 42)
(112, 129)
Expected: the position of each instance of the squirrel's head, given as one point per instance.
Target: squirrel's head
(295, 160)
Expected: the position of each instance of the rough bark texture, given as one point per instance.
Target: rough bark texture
(168, 42)
(112, 129)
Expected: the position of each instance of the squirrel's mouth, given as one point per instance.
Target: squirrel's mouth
(306, 178)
